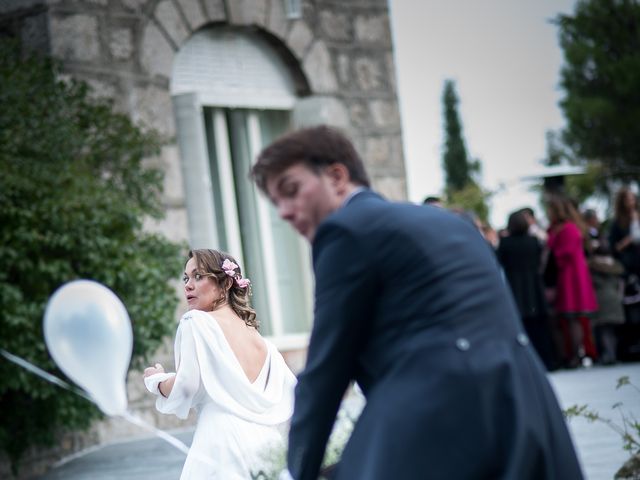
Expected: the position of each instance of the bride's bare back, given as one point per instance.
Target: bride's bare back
(245, 342)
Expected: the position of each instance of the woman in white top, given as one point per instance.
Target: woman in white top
(236, 380)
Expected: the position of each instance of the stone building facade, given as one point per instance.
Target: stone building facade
(220, 78)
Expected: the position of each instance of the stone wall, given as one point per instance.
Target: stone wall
(125, 48)
(340, 56)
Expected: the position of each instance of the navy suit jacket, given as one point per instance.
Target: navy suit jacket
(411, 304)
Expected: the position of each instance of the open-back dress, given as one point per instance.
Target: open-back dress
(240, 422)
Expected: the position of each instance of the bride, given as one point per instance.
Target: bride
(235, 379)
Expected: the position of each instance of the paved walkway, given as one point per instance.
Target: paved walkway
(144, 459)
(599, 448)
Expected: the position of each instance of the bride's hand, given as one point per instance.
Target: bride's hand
(153, 370)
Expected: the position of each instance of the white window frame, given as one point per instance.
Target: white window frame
(266, 235)
(201, 208)
(227, 185)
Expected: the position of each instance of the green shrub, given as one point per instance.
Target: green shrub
(73, 195)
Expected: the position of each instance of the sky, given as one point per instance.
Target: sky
(505, 59)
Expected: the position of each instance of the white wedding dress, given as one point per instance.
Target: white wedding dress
(238, 421)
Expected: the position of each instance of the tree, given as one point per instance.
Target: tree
(557, 152)
(73, 195)
(461, 188)
(471, 198)
(601, 83)
(455, 160)
(592, 183)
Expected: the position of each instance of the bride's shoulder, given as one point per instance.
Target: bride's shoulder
(193, 317)
(268, 343)
(272, 351)
(193, 314)
(198, 323)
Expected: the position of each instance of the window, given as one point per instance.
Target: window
(293, 9)
(223, 120)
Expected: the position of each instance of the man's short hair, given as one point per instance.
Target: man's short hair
(317, 147)
(529, 211)
(517, 223)
(590, 214)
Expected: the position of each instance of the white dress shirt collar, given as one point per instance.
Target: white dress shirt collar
(353, 194)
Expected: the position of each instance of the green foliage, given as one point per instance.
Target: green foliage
(557, 152)
(601, 81)
(462, 191)
(73, 195)
(594, 182)
(629, 429)
(455, 160)
(273, 460)
(470, 198)
(584, 186)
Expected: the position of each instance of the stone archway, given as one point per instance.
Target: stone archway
(170, 23)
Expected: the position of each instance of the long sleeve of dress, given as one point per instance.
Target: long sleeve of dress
(187, 383)
(567, 244)
(152, 382)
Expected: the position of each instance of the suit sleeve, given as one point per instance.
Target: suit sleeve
(344, 302)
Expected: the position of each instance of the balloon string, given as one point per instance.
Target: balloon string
(41, 373)
(168, 438)
(130, 417)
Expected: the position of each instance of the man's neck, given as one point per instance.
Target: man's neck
(351, 192)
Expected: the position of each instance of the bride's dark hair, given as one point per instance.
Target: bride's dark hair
(210, 263)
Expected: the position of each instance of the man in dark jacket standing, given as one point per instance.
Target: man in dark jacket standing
(410, 303)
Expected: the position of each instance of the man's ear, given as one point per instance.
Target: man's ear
(338, 174)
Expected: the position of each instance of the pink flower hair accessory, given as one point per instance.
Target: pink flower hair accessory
(230, 269)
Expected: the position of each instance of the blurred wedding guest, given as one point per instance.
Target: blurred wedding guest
(593, 225)
(606, 273)
(487, 232)
(534, 228)
(469, 216)
(520, 255)
(624, 239)
(432, 200)
(503, 232)
(490, 235)
(575, 298)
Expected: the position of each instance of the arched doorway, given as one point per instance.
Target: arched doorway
(232, 95)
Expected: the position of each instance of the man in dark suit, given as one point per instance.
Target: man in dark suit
(410, 303)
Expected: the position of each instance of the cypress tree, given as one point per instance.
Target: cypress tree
(455, 158)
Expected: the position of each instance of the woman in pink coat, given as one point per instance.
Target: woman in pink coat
(575, 298)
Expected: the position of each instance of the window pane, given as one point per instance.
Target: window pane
(285, 273)
(247, 215)
(215, 179)
(291, 254)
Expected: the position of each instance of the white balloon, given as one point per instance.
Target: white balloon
(88, 333)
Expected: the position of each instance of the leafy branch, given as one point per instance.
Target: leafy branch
(628, 428)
